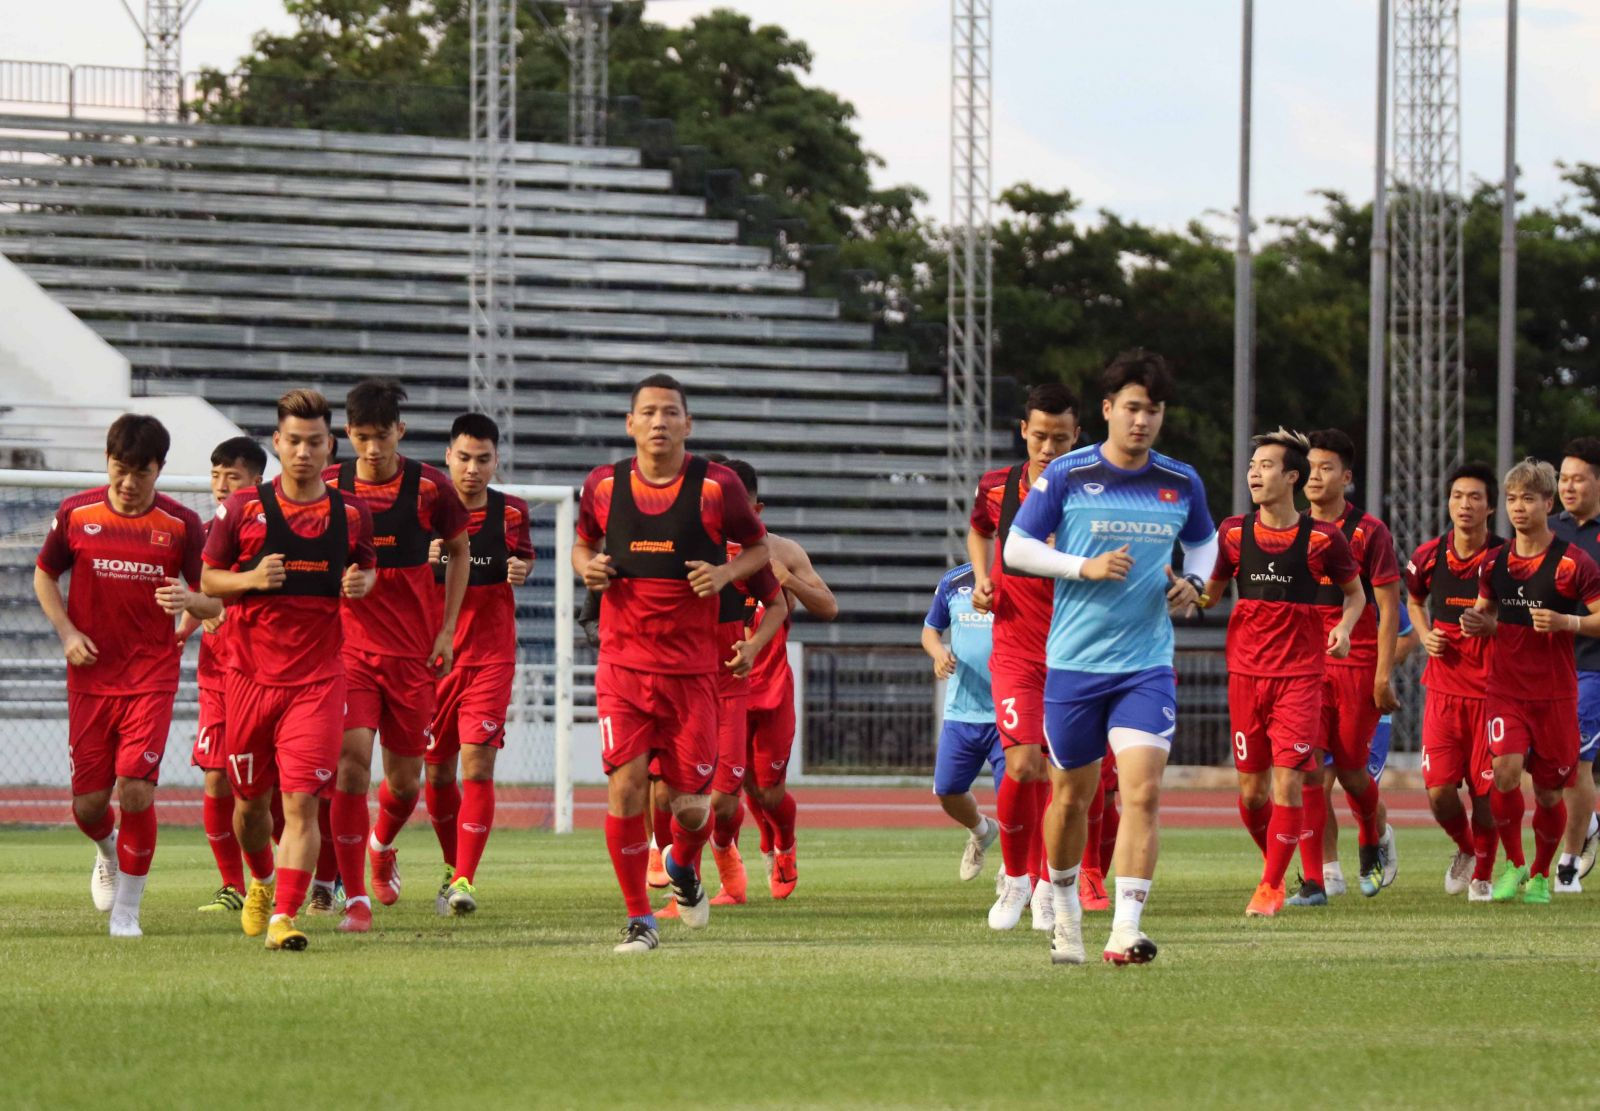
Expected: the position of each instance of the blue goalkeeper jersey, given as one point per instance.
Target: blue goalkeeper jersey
(1090, 507)
(966, 693)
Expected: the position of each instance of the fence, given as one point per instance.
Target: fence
(34, 776)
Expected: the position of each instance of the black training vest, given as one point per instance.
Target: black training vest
(313, 565)
(1329, 593)
(1276, 576)
(659, 545)
(487, 545)
(1518, 596)
(400, 540)
(1446, 584)
(1010, 502)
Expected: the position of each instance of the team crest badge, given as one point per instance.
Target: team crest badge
(490, 726)
(92, 529)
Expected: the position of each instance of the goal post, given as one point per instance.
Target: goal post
(534, 770)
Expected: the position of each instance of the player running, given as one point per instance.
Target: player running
(1536, 593)
(1442, 584)
(470, 722)
(1578, 524)
(1356, 690)
(1115, 510)
(284, 553)
(235, 464)
(399, 640)
(1277, 640)
(134, 557)
(1022, 606)
(665, 518)
(969, 737)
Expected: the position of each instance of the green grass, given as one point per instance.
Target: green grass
(877, 984)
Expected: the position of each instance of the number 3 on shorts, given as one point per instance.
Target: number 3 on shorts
(1241, 747)
(1010, 720)
(607, 738)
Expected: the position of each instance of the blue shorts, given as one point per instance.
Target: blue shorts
(1081, 708)
(1588, 715)
(963, 748)
(1378, 754)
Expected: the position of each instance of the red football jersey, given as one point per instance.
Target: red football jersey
(660, 625)
(769, 677)
(1372, 548)
(284, 640)
(118, 563)
(1280, 638)
(402, 613)
(1527, 664)
(1463, 669)
(486, 632)
(1023, 605)
(211, 670)
(757, 589)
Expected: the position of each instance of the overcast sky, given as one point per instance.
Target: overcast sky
(1133, 106)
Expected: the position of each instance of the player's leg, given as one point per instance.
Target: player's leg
(1377, 761)
(1445, 765)
(628, 733)
(1332, 870)
(91, 759)
(441, 787)
(141, 727)
(1583, 825)
(1552, 763)
(727, 805)
(772, 740)
(407, 714)
(1018, 688)
(476, 821)
(1350, 741)
(962, 751)
(1509, 741)
(250, 762)
(1252, 754)
(1074, 726)
(1141, 721)
(658, 827)
(349, 814)
(686, 710)
(308, 739)
(1314, 806)
(1091, 878)
(1293, 729)
(216, 814)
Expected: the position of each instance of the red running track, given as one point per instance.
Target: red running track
(820, 807)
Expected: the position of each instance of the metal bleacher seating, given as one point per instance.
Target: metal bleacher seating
(231, 262)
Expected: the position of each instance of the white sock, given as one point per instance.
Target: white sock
(353, 900)
(1566, 859)
(372, 839)
(981, 828)
(107, 846)
(1594, 826)
(275, 917)
(130, 892)
(270, 879)
(1064, 891)
(1332, 871)
(1131, 894)
(322, 885)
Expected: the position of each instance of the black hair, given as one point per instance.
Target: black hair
(136, 440)
(746, 473)
(1138, 367)
(1336, 441)
(375, 402)
(1053, 398)
(1475, 469)
(659, 382)
(1295, 445)
(243, 450)
(1586, 448)
(479, 426)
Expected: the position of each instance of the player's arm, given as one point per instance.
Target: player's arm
(457, 551)
(797, 576)
(944, 660)
(1549, 621)
(1388, 598)
(1432, 639)
(1355, 600)
(1038, 558)
(79, 650)
(978, 548)
(775, 611)
(219, 583)
(591, 565)
(706, 579)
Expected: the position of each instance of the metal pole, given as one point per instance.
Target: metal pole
(566, 519)
(1505, 385)
(1243, 297)
(1378, 301)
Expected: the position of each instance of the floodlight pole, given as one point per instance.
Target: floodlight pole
(1505, 379)
(1243, 289)
(1378, 299)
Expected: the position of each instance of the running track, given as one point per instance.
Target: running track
(820, 807)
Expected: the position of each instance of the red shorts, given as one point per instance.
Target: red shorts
(674, 717)
(1276, 721)
(472, 710)
(732, 731)
(1545, 732)
(392, 694)
(1349, 715)
(772, 738)
(1018, 688)
(209, 732)
(1455, 743)
(111, 735)
(1108, 771)
(286, 737)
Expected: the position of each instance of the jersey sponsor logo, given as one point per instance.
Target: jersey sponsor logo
(1094, 488)
(385, 541)
(975, 618)
(160, 539)
(653, 546)
(1166, 495)
(313, 565)
(1159, 531)
(1464, 603)
(129, 567)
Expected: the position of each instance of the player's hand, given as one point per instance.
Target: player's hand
(436, 550)
(1434, 642)
(944, 664)
(1338, 642)
(443, 653)
(1549, 621)
(1383, 695)
(269, 573)
(707, 579)
(598, 572)
(79, 649)
(173, 597)
(983, 595)
(517, 570)
(1476, 623)
(1113, 566)
(212, 624)
(744, 658)
(1182, 597)
(355, 583)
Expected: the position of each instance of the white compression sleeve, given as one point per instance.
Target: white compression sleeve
(1038, 558)
(1198, 559)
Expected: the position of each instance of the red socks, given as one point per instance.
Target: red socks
(661, 825)
(327, 861)
(477, 819)
(1018, 824)
(1040, 792)
(392, 814)
(136, 840)
(1283, 836)
(1314, 809)
(1459, 831)
(1549, 826)
(1365, 807)
(1485, 845)
(1110, 822)
(291, 891)
(630, 859)
(725, 831)
(1507, 807)
(444, 808)
(105, 827)
(260, 861)
(782, 818)
(763, 823)
(350, 819)
(687, 843)
(1256, 822)
(1091, 845)
(217, 817)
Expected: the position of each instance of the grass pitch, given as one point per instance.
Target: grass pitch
(878, 984)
